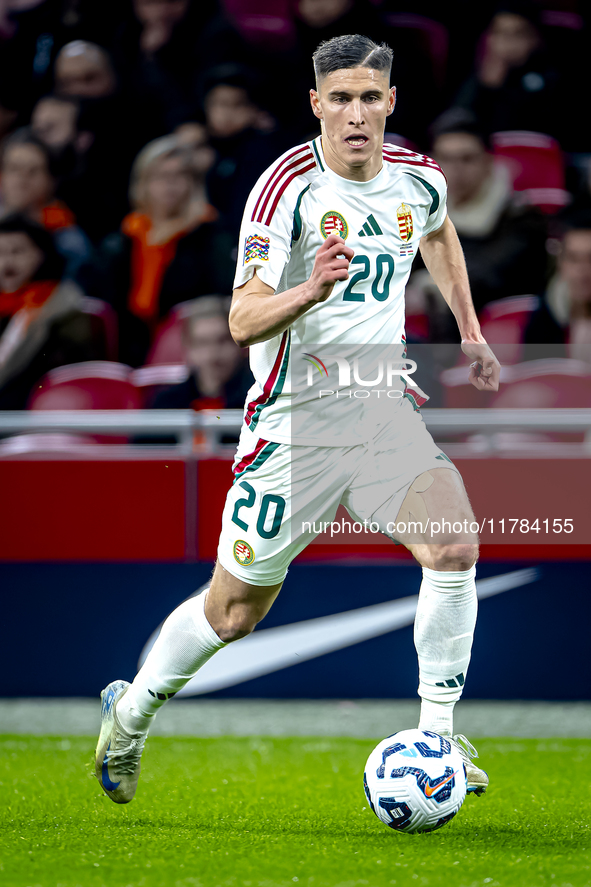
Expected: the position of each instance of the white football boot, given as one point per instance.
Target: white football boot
(477, 779)
(118, 753)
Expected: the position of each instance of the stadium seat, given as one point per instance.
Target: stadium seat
(148, 379)
(91, 385)
(167, 347)
(263, 22)
(562, 18)
(458, 391)
(434, 37)
(107, 320)
(533, 384)
(504, 321)
(545, 384)
(537, 167)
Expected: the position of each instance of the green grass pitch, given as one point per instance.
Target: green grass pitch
(262, 812)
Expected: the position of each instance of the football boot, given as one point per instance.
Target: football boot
(118, 753)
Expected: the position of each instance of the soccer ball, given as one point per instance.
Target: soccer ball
(415, 781)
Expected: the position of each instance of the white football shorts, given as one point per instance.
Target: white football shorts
(281, 490)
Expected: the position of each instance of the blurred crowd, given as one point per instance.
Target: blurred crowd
(133, 130)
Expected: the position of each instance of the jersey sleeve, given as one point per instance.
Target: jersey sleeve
(436, 184)
(265, 244)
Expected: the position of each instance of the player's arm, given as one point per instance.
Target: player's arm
(444, 259)
(258, 313)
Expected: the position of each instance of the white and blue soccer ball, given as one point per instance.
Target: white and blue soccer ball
(415, 781)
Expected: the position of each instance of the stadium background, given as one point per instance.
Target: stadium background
(101, 535)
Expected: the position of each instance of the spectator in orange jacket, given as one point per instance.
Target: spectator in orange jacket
(170, 249)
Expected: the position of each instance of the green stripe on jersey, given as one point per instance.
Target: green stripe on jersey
(432, 191)
(260, 459)
(297, 217)
(318, 160)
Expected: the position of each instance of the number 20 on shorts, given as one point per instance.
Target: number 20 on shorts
(269, 502)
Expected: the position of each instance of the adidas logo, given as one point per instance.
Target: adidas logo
(370, 228)
(161, 696)
(458, 681)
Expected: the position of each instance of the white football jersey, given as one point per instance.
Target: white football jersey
(293, 207)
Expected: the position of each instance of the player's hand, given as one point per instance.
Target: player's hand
(485, 370)
(331, 264)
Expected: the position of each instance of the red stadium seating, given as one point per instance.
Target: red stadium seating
(545, 384)
(535, 384)
(537, 167)
(107, 319)
(149, 379)
(91, 385)
(167, 347)
(504, 321)
(267, 22)
(434, 36)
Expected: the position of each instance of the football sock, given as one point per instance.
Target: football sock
(185, 643)
(444, 628)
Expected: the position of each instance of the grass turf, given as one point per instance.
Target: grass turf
(261, 812)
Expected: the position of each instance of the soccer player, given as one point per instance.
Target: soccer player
(327, 241)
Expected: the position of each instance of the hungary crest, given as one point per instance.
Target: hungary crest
(333, 223)
(405, 224)
(243, 553)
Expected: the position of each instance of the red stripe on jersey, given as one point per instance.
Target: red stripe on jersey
(278, 196)
(250, 457)
(276, 171)
(408, 157)
(280, 177)
(268, 386)
(413, 163)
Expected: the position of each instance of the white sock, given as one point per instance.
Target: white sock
(185, 643)
(444, 628)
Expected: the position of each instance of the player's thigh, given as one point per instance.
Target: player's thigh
(444, 496)
(446, 535)
(233, 607)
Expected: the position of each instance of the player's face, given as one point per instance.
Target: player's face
(353, 104)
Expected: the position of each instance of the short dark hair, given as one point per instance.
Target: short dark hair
(575, 220)
(459, 120)
(53, 264)
(26, 136)
(351, 51)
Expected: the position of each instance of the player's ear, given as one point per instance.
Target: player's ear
(315, 102)
(391, 100)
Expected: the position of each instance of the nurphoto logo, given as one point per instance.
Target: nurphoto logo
(387, 373)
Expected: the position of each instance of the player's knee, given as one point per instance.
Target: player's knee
(235, 625)
(455, 557)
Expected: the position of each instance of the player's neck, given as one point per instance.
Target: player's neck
(359, 173)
